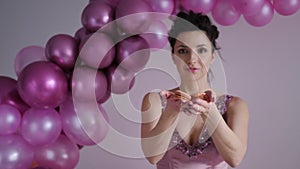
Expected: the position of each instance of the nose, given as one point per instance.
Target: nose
(192, 59)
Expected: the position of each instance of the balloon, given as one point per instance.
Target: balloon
(157, 35)
(85, 124)
(13, 98)
(62, 154)
(28, 55)
(138, 17)
(112, 3)
(286, 7)
(263, 17)
(133, 53)
(161, 6)
(203, 6)
(95, 15)
(7, 84)
(41, 127)
(62, 49)
(10, 119)
(119, 79)
(43, 84)
(105, 97)
(224, 13)
(15, 153)
(88, 84)
(248, 7)
(98, 51)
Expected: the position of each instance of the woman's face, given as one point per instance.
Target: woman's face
(193, 55)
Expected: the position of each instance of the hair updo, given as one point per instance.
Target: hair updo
(191, 21)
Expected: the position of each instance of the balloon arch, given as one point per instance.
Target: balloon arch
(37, 111)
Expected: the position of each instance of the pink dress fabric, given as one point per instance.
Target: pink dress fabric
(207, 158)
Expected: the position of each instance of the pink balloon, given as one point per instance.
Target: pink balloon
(80, 34)
(7, 84)
(41, 127)
(224, 13)
(105, 97)
(248, 7)
(62, 154)
(157, 35)
(62, 49)
(286, 7)
(15, 153)
(137, 14)
(88, 84)
(161, 6)
(263, 17)
(43, 84)
(10, 119)
(112, 3)
(98, 50)
(28, 55)
(13, 98)
(120, 80)
(86, 124)
(133, 53)
(95, 15)
(203, 6)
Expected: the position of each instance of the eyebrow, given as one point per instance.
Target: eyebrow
(184, 46)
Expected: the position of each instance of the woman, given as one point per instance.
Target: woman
(193, 133)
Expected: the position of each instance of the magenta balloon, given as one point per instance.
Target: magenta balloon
(7, 84)
(10, 119)
(119, 79)
(95, 15)
(88, 84)
(203, 6)
(28, 55)
(43, 84)
(105, 97)
(133, 53)
(161, 6)
(41, 127)
(62, 154)
(263, 17)
(98, 51)
(15, 153)
(13, 98)
(86, 125)
(248, 7)
(157, 35)
(137, 23)
(80, 34)
(62, 49)
(224, 13)
(112, 3)
(286, 7)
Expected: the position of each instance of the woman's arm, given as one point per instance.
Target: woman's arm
(231, 138)
(157, 127)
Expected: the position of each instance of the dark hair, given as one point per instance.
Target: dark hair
(190, 22)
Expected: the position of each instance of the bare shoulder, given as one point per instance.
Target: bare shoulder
(237, 105)
(151, 101)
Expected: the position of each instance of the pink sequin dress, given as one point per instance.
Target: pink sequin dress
(201, 155)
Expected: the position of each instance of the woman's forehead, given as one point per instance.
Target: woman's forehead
(193, 39)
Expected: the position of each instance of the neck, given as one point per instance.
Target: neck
(193, 87)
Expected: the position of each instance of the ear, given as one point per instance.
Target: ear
(214, 55)
(173, 58)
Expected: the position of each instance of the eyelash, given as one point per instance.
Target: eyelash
(185, 51)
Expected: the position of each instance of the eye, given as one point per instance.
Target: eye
(182, 51)
(202, 50)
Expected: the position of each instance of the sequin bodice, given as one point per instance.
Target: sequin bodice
(202, 154)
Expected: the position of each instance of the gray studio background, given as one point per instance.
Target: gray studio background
(262, 66)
